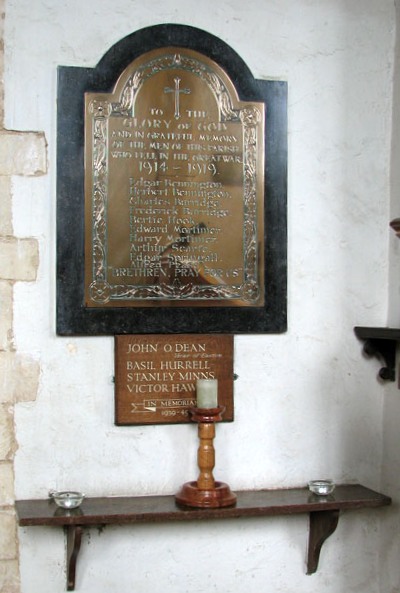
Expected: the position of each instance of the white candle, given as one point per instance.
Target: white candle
(207, 393)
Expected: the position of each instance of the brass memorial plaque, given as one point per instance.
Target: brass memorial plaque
(174, 187)
(155, 376)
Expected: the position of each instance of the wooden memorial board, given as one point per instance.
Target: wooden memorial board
(155, 376)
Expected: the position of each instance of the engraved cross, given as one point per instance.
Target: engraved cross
(177, 91)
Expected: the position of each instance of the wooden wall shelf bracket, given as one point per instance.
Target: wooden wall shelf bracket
(74, 539)
(381, 343)
(323, 514)
(322, 525)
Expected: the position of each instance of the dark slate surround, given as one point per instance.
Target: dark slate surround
(73, 318)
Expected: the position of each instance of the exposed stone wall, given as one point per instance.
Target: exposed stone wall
(21, 153)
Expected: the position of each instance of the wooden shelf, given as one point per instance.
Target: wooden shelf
(382, 343)
(323, 514)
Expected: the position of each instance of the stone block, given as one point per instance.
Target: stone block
(6, 315)
(27, 373)
(9, 576)
(2, 19)
(19, 378)
(22, 153)
(6, 227)
(8, 535)
(6, 484)
(7, 438)
(7, 378)
(19, 259)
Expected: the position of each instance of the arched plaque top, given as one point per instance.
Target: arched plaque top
(175, 61)
(133, 46)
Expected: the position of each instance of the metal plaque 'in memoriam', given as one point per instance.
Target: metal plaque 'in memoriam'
(174, 188)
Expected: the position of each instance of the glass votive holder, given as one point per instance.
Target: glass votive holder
(68, 499)
(321, 487)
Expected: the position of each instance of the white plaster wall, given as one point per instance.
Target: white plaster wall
(307, 404)
(390, 543)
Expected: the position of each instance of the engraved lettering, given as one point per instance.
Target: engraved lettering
(140, 348)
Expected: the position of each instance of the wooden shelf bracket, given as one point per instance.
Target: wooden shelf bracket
(74, 540)
(322, 525)
(381, 343)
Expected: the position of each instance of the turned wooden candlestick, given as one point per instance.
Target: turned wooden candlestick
(206, 491)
